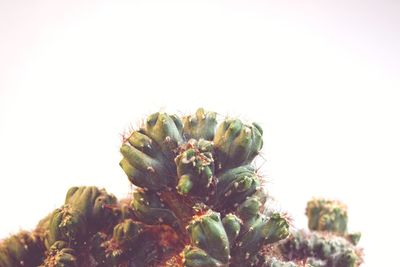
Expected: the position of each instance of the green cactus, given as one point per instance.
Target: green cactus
(330, 216)
(128, 238)
(236, 143)
(198, 202)
(208, 233)
(166, 131)
(21, 250)
(200, 126)
(230, 242)
(328, 250)
(274, 262)
(328, 244)
(232, 225)
(179, 164)
(234, 186)
(144, 164)
(327, 215)
(195, 167)
(84, 212)
(149, 208)
(353, 238)
(66, 224)
(92, 202)
(60, 255)
(262, 231)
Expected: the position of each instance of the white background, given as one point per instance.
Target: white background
(321, 77)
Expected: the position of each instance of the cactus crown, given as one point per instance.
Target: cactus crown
(195, 176)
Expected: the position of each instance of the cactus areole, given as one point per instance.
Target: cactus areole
(197, 202)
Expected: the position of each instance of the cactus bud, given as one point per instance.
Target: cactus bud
(196, 257)
(149, 208)
(195, 166)
(67, 224)
(92, 203)
(60, 255)
(208, 233)
(128, 231)
(232, 227)
(200, 125)
(237, 143)
(260, 232)
(166, 131)
(143, 163)
(249, 210)
(327, 215)
(234, 186)
(354, 238)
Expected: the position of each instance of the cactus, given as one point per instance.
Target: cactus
(207, 191)
(84, 212)
(327, 215)
(23, 249)
(195, 167)
(130, 242)
(60, 255)
(198, 202)
(328, 244)
(274, 262)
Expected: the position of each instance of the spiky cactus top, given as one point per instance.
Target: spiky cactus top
(197, 178)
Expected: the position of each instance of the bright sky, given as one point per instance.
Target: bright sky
(321, 78)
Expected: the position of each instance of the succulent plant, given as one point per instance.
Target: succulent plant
(23, 249)
(274, 262)
(198, 202)
(327, 215)
(60, 255)
(85, 212)
(328, 244)
(196, 177)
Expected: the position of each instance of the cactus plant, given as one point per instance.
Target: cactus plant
(196, 177)
(327, 215)
(22, 249)
(328, 244)
(197, 202)
(60, 255)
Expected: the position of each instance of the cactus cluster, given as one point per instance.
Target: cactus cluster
(198, 202)
(327, 244)
(196, 177)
